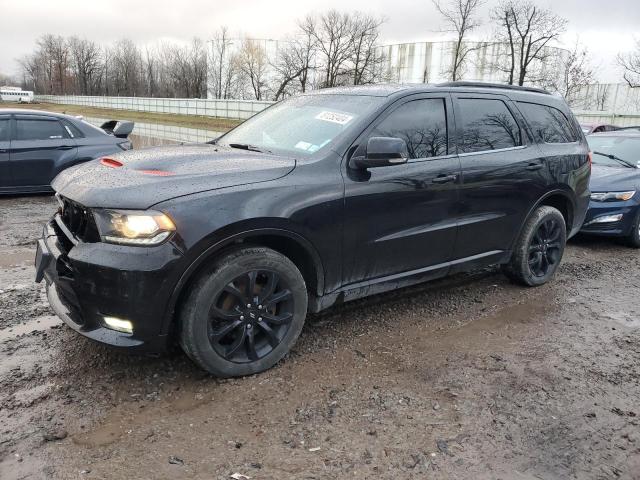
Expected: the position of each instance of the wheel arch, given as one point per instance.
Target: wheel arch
(559, 199)
(290, 244)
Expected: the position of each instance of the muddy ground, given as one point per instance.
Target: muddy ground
(467, 378)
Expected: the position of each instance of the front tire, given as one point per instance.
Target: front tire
(244, 313)
(539, 248)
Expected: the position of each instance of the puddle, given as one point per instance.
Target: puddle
(37, 325)
(17, 258)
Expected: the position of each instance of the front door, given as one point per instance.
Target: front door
(402, 218)
(39, 145)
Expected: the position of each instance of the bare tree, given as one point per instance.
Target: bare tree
(86, 64)
(461, 18)
(576, 73)
(125, 73)
(630, 62)
(222, 65)
(366, 59)
(346, 44)
(292, 65)
(527, 30)
(252, 61)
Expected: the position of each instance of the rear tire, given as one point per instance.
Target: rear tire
(539, 248)
(244, 313)
(633, 240)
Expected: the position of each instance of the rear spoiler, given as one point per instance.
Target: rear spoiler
(117, 128)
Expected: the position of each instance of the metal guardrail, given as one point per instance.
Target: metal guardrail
(243, 109)
(232, 109)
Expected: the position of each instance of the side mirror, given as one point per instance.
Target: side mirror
(383, 152)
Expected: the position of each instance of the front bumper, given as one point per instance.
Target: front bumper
(86, 282)
(620, 228)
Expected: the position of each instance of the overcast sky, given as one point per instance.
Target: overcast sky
(606, 27)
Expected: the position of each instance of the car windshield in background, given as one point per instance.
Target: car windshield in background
(625, 148)
(302, 125)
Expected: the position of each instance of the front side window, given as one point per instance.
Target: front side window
(422, 124)
(4, 129)
(302, 125)
(39, 130)
(487, 124)
(549, 124)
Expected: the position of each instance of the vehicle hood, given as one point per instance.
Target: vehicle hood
(613, 179)
(149, 176)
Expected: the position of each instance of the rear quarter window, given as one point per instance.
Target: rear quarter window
(549, 124)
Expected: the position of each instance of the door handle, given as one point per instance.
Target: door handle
(445, 178)
(65, 147)
(534, 166)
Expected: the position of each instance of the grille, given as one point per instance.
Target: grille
(78, 220)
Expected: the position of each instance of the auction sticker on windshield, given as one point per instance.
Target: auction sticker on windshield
(334, 117)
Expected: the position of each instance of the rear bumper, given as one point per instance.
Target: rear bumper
(87, 282)
(600, 210)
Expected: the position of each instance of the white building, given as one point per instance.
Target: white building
(430, 62)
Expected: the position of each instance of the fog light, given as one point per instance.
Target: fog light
(118, 324)
(606, 219)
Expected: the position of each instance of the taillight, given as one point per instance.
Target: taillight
(590, 158)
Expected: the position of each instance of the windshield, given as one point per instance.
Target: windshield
(302, 125)
(626, 148)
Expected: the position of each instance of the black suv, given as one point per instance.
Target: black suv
(320, 199)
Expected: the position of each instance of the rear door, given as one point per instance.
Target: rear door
(5, 142)
(40, 146)
(502, 174)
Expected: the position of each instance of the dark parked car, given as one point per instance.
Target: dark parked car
(614, 209)
(320, 199)
(35, 146)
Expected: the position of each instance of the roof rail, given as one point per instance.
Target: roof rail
(492, 85)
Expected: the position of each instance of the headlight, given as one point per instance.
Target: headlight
(612, 196)
(128, 227)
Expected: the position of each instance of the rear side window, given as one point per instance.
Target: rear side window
(487, 124)
(74, 131)
(549, 124)
(420, 123)
(39, 130)
(4, 129)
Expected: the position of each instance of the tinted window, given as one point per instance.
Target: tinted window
(420, 123)
(487, 125)
(549, 124)
(39, 130)
(73, 130)
(4, 129)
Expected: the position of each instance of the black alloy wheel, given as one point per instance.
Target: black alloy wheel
(538, 250)
(244, 312)
(250, 316)
(545, 248)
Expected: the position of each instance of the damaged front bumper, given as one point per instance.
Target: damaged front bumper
(90, 283)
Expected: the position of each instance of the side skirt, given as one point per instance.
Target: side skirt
(396, 281)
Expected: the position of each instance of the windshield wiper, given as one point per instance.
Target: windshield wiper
(617, 159)
(246, 146)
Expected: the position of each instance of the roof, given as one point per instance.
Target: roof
(24, 111)
(388, 89)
